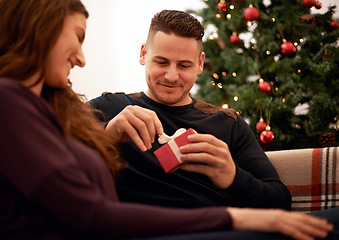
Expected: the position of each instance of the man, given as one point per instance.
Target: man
(224, 165)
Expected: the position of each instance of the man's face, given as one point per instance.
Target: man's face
(172, 64)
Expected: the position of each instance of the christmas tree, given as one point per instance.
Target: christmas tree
(277, 65)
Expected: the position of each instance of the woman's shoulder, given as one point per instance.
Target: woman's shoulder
(15, 98)
(7, 84)
(12, 89)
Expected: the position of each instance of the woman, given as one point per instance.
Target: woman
(54, 179)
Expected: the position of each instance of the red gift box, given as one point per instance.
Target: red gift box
(169, 155)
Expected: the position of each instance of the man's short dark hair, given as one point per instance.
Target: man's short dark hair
(178, 22)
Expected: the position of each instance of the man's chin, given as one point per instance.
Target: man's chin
(168, 102)
(167, 99)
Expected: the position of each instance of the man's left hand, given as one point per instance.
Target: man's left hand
(214, 154)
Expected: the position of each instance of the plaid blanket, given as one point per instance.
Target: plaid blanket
(311, 175)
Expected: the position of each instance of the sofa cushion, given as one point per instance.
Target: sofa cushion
(311, 175)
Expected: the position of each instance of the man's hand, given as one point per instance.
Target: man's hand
(293, 224)
(136, 124)
(216, 159)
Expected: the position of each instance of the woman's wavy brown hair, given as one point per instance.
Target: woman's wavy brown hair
(29, 29)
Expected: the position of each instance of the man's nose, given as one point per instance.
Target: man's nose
(172, 73)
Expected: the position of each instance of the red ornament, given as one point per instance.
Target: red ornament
(288, 49)
(267, 136)
(318, 5)
(234, 38)
(264, 87)
(222, 7)
(309, 3)
(334, 24)
(251, 13)
(261, 125)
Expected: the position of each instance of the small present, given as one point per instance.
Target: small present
(169, 155)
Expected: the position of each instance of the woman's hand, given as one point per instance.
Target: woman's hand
(293, 224)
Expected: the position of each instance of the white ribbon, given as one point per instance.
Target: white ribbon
(164, 138)
(175, 149)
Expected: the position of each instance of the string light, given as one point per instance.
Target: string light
(218, 16)
(295, 44)
(283, 100)
(234, 74)
(224, 74)
(213, 83)
(249, 24)
(268, 52)
(235, 98)
(276, 89)
(232, 7)
(216, 76)
(214, 35)
(273, 19)
(299, 71)
(225, 106)
(229, 16)
(219, 85)
(253, 40)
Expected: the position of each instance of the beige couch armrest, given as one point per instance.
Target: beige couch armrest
(312, 176)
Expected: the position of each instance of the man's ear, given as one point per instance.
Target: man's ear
(201, 63)
(142, 54)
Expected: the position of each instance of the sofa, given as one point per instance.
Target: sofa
(311, 175)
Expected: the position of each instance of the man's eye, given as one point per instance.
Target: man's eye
(184, 66)
(161, 63)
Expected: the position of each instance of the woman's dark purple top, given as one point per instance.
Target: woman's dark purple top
(55, 187)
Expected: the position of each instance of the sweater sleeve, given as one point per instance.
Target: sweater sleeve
(256, 182)
(85, 209)
(38, 162)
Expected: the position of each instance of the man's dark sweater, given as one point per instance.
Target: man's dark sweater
(256, 183)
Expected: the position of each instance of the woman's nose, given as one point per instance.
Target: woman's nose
(80, 61)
